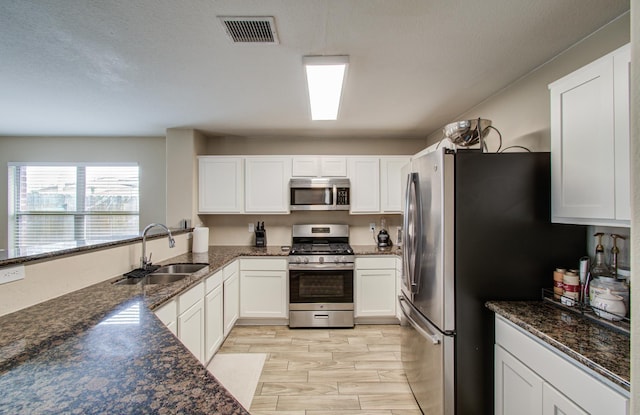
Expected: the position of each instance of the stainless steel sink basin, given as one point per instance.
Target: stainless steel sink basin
(157, 278)
(179, 269)
(165, 274)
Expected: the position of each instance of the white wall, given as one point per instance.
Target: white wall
(148, 152)
(52, 278)
(521, 111)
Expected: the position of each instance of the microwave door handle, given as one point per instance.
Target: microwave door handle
(335, 195)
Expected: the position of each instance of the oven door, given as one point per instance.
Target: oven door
(321, 284)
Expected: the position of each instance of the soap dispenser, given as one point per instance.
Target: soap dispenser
(599, 268)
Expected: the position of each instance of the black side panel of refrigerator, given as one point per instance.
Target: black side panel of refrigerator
(506, 249)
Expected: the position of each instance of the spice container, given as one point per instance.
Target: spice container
(558, 283)
(571, 283)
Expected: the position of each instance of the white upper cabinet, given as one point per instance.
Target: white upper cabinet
(391, 188)
(590, 143)
(319, 166)
(220, 184)
(267, 184)
(364, 174)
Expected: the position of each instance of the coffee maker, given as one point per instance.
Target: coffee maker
(261, 235)
(384, 240)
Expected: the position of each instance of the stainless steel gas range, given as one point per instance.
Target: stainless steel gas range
(321, 264)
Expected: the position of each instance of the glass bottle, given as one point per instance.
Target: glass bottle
(599, 268)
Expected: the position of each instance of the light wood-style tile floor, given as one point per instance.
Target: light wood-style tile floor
(326, 371)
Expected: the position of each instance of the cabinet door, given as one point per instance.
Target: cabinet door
(305, 166)
(518, 390)
(333, 167)
(582, 143)
(214, 327)
(364, 173)
(191, 329)
(267, 184)
(555, 403)
(231, 299)
(590, 143)
(621, 78)
(375, 293)
(263, 294)
(391, 183)
(220, 185)
(168, 314)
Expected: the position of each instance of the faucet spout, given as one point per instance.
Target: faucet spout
(144, 262)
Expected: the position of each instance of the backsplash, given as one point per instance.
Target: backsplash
(234, 229)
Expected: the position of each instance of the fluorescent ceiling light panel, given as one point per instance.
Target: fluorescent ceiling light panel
(325, 77)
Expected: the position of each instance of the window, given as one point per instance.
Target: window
(52, 203)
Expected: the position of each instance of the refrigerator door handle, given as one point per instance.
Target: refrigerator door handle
(434, 338)
(412, 226)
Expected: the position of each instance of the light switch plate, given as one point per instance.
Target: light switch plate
(11, 274)
(252, 227)
(372, 226)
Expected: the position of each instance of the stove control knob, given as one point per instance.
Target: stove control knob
(297, 260)
(321, 260)
(306, 260)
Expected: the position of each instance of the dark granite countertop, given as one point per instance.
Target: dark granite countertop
(599, 348)
(374, 250)
(67, 355)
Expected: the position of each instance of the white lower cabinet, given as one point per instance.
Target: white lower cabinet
(168, 314)
(191, 316)
(555, 403)
(518, 390)
(231, 293)
(214, 321)
(263, 288)
(531, 378)
(375, 287)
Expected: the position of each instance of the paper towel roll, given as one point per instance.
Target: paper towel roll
(200, 240)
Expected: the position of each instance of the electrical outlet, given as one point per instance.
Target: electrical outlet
(11, 274)
(372, 226)
(252, 227)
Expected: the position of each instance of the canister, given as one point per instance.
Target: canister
(571, 286)
(616, 287)
(558, 283)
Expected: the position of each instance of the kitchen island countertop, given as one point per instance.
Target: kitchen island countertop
(601, 349)
(102, 350)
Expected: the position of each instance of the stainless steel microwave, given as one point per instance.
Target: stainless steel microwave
(319, 193)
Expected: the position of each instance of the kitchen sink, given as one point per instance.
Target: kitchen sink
(180, 269)
(158, 278)
(164, 275)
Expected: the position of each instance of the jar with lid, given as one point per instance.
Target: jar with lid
(600, 285)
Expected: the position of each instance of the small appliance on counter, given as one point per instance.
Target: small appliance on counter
(384, 240)
(261, 235)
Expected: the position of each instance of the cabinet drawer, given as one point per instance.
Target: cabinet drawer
(263, 264)
(190, 297)
(213, 281)
(387, 262)
(230, 269)
(168, 312)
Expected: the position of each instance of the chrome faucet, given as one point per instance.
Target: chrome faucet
(144, 262)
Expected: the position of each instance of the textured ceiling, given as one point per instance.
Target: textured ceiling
(123, 67)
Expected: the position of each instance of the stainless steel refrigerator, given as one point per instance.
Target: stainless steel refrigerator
(476, 228)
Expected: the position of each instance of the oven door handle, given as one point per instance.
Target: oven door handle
(321, 267)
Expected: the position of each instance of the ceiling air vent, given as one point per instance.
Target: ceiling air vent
(250, 29)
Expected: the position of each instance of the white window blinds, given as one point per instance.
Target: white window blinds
(51, 203)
